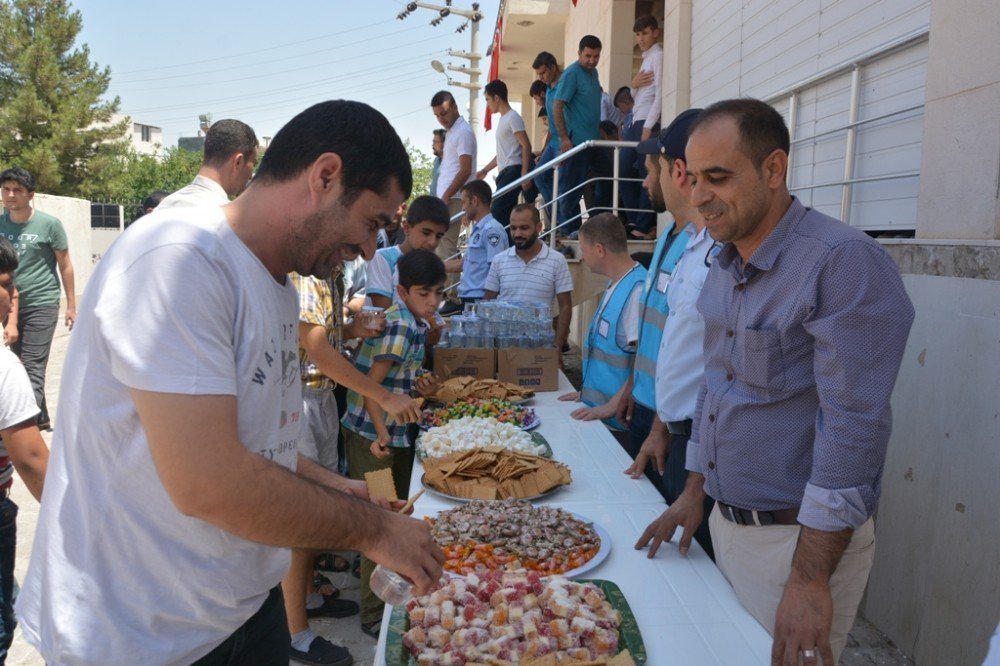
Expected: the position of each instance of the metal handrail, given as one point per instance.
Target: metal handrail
(553, 165)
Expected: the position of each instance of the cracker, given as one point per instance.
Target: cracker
(380, 484)
(624, 658)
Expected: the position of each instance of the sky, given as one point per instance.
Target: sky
(263, 62)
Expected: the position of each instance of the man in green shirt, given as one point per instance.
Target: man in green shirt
(40, 241)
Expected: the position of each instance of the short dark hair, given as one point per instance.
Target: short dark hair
(442, 96)
(497, 88)
(607, 230)
(528, 207)
(19, 175)
(644, 22)
(762, 129)
(226, 138)
(537, 88)
(420, 268)
(371, 151)
(624, 91)
(542, 113)
(8, 256)
(544, 59)
(440, 133)
(428, 209)
(609, 127)
(479, 189)
(153, 199)
(590, 42)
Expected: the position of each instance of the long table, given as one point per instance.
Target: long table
(687, 613)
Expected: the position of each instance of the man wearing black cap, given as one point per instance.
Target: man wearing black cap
(678, 369)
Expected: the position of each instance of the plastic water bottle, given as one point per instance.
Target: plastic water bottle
(390, 587)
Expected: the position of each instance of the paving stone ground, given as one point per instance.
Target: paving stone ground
(866, 645)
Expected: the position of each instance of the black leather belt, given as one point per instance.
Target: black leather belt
(758, 518)
(679, 427)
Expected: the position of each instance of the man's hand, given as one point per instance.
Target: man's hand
(803, 622)
(380, 446)
(687, 512)
(10, 333)
(646, 133)
(407, 547)
(70, 317)
(598, 413)
(481, 174)
(626, 407)
(642, 79)
(565, 144)
(401, 408)
(570, 397)
(805, 614)
(526, 185)
(654, 448)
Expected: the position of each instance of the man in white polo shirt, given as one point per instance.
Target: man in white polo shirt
(530, 272)
(458, 164)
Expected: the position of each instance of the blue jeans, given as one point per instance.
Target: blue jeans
(263, 640)
(36, 324)
(572, 173)
(8, 586)
(632, 165)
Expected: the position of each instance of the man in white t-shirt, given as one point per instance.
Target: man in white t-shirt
(513, 159)
(458, 167)
(175, 485)
(230, 158)
(531, 272)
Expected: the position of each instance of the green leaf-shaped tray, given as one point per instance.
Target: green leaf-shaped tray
(628, 633)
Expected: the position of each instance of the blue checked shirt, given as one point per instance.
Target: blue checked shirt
(802, 348)
(403, 343)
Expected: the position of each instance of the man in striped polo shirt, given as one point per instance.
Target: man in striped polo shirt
(530, 272)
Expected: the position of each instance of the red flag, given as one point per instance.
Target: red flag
(494, 69)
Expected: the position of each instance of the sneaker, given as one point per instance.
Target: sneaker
(334, 608)
(372, 628)
(323, 653)
(451, 308)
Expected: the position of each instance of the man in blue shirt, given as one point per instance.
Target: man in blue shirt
(806, 320)
(548, 72)
(487, 239)
(576, 118)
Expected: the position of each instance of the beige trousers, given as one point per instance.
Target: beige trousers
(757, 561)
(449, 242)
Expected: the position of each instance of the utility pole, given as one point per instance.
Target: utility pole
(473, 16)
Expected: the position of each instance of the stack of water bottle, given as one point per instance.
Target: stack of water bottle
(500, 325)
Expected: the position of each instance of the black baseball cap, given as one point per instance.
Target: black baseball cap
(672, 138)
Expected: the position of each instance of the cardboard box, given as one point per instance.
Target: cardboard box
(534, 368)
(478, 363)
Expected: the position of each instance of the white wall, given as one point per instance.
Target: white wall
(934, 586)
(75, 217)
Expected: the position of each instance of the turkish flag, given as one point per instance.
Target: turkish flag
(494, 69)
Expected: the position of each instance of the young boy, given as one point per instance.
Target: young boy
(647, 95)
(394, 360)
(21, 447)
(426, 223)
(609, 349)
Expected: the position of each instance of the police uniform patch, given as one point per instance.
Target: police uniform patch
(494, 239)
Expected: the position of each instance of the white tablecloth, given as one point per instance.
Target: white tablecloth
(686, 611)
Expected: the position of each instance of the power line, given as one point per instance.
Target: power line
(255, 51)
(272, 60)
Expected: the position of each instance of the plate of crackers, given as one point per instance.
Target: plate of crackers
(464, 388)
(494, 473)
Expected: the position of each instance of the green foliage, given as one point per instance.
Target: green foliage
(53, 120)
(144, 174)
(421, 164)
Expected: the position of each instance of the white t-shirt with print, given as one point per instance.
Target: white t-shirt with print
(17, 400)
(117, 574)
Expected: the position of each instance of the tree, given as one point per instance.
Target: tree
(53, 120)
(421, 164)
(144, 174)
